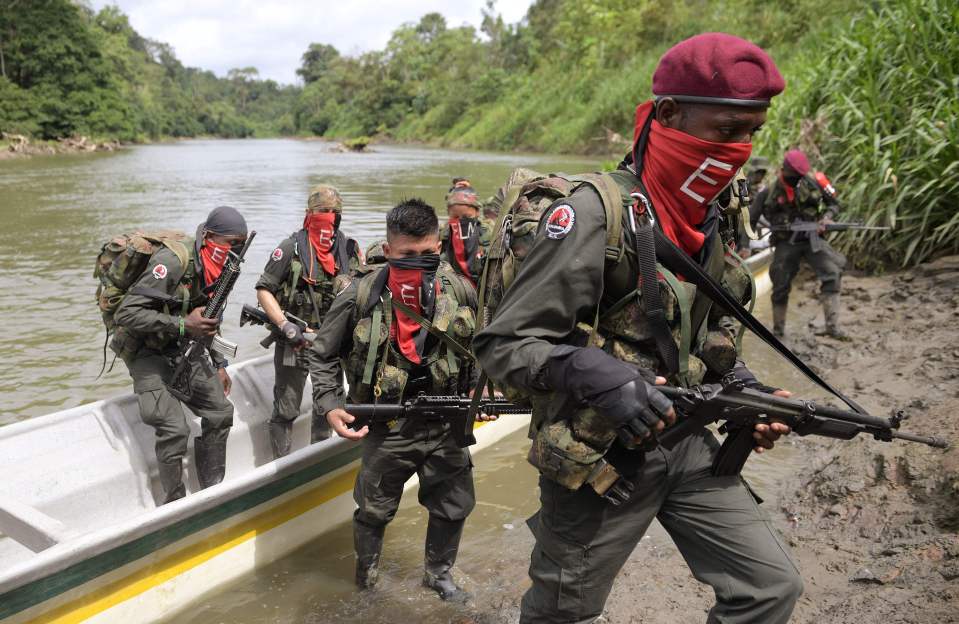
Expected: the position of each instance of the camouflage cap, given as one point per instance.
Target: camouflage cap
(325, 197)
(758, 163)
(463, 196)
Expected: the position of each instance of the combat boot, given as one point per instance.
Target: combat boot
(281, 438)
(442, 543)
(319, 429)
(367, 542)
(830, 309)
(210, 460)
(171, 480)
(779, 319)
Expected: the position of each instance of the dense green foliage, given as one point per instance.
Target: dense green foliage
(877, 106)
(65, 70)
(871, 90)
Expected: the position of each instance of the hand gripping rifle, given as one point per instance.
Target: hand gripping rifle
(453, 408)
(180, 384)
(742, 408)
(256, 316)
(811, 228)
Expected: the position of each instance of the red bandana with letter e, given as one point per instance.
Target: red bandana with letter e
(683, 174)
(406, 285)
(213, 255)
(321, 227)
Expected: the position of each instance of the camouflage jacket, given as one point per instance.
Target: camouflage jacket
(149, 316)
(810, 202)
(353, 323)
(476, 242)
(287, 271)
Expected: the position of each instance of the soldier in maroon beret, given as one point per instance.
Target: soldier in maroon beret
(799, 195)
(603, 478)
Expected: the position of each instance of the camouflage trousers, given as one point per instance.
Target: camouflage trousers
(288, 389)
(827, 263)
(582, 541)
(421, 447)
(164, 412)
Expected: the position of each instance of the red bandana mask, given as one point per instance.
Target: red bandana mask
(321, 227)
(459, 244)
(213, 256)
(683, 174)
(412, 281)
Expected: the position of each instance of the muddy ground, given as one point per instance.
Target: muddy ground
(872, 524)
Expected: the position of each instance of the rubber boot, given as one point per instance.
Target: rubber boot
(319, 429)
(367, 542)
(779, 319)
(830, 309)
(281, 437)
(171, 480)
(442, 543)
(210, 460)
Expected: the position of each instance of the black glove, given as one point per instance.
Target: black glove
(743, 374)
(293, 333)
(617, 390)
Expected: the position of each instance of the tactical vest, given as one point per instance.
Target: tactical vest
(187, 296)
(568, 445)
(375, 369)
(311, 301)
(805, 206)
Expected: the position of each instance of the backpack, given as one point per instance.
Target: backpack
(124, 258)
(518, 221)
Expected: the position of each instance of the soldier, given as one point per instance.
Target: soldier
(594, 402)
(388, 353)
(796, 195)
(163, 306)
(466, 238)
(301, 278)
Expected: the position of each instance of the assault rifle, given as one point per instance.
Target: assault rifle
(180, 384)
(811, 228)
(453, 408)
(256, 316)
(742, 408)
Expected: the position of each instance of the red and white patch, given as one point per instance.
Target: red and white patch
(159, 271)
(277, 254)
(560, 222)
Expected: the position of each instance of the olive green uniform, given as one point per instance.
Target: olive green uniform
(810, 203)
(285, 278)
(581, 540)
(146, 338)
(476, 251)
(394, 451)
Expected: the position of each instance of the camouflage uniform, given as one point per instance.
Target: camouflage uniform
(494, 203)
(791, 248)
(146, 338)
(286, 276)
(581, 540)
(394, 451)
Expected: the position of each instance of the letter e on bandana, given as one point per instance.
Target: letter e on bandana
(560, 222)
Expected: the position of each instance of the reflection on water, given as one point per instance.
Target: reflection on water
(315, 583)
(57, 211)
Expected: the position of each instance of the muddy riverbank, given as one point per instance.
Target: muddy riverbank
(873, 525)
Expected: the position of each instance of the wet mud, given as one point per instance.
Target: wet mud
(873, 525)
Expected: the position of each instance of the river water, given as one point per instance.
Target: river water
(57, 211)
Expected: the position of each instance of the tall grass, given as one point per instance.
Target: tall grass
(878, 107)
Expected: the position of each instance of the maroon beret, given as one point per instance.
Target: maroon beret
(716, 68)
(798, 161)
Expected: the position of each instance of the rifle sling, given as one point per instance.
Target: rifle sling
(678, 262)
(646, 248)
(428, 326)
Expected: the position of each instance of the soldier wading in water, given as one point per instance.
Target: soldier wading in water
(389, 356)
(593, 392)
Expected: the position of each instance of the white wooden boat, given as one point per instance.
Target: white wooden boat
(81, 538)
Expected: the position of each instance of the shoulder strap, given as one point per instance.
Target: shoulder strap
(428, 326)
(672, 257)
(612, 200)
